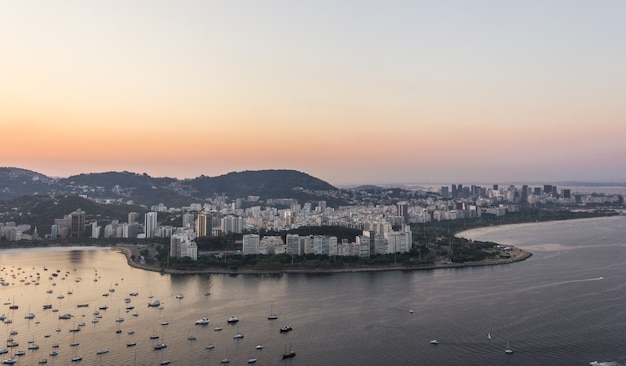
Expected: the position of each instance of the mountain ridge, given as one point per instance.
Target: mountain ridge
(147, 190)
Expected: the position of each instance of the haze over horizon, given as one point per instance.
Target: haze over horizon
(351, 92)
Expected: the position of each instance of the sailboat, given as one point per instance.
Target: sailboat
(508, 349)
(160, 345)
(76, 357)
(272, 316)
(191, 337)
(289, 354)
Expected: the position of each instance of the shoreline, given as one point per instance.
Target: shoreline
(517, 255)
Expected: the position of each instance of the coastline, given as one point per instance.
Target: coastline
(516, 255)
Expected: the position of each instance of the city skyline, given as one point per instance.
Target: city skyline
(351, 93)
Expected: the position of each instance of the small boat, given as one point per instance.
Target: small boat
(166, 362)
(54, 353)
(160, 346)
(411, 311)
(9, 361)
(260, 346)
(29, 316)
(210, 346)
(154, 303)
(131, 344)
(233, 319)
(134, 293)
(33, 346)
(165, 322)
(289, 354)
(103, 307)
(180, 296)
(43, 361)
(3, 351)
(272, 316)
(154, 337)
(508, 350)
(252, 360)
(102, 351)
(77, 358)
(286, 329)
(238, 336)
(202, 321)
(434, 341)
(82, 305)
(217, 329)
(225, 360)
(47, 306)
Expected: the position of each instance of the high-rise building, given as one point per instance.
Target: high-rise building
(524, 194)
(181, 246)
(363, 242)
(133, 216)
(445, 192)
(188, 220)
(547, 188)
(293, 244)
(150, 223)
(202, 227)
(251, 244)
(77, 223)
(232, 224)
(403, 211)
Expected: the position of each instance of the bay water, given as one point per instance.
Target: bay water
(565, 305)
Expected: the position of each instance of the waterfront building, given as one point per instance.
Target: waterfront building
(250, 244)
(293, 244)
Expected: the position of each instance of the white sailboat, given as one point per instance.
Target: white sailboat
(272, 316)
(508, 349)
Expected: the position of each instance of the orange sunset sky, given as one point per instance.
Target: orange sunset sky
(348, 91)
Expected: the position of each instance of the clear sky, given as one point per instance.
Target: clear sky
(347, 91)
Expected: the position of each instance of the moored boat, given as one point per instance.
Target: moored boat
(233, 319)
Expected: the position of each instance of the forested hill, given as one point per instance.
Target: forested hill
(143, 189)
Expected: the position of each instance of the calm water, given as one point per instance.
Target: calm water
(566, 305)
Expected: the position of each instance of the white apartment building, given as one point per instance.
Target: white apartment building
(251, 244)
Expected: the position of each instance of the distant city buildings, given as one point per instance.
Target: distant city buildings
(383, 221)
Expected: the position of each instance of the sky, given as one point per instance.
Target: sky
(351, 92)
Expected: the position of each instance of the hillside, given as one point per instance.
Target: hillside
(142, 189)
(40, 211)
(15, 182)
